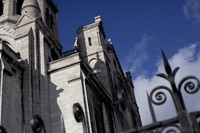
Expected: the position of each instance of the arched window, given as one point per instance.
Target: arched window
(89, 41)
(47, 16)
(1, 9)
(99, 122)
(19, 6)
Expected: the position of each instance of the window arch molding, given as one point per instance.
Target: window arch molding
(93, 62)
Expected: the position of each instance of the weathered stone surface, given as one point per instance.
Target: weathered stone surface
(36, 79)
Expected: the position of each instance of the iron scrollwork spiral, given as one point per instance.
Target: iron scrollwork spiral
(2, 129)
(157, 96)
(171, 129)
(190, 84)
(37, 124)
(78, 112)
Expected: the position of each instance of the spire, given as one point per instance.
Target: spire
(31, 7)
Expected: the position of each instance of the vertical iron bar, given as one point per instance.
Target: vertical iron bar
(182, 113)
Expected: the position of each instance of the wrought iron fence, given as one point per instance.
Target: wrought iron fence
(69, 52)
(37, 125)
(2, 129)
(184, 122)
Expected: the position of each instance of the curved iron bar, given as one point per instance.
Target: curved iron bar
(188, 84)
(160, 97)
(170, 76)
(198, 120)
(2, 129)
(171, 129)
(37, 124)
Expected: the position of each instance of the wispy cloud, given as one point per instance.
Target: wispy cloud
(138, 55)
(188, 59)
(191, 10)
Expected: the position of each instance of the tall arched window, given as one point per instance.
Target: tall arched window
(47, 16)
(19, 6)
(1, 9)
(99, 122)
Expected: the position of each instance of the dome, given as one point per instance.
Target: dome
(31, 7)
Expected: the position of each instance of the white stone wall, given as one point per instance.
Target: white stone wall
(11, 112)
(51, 89)
(44, 54)
(65, 90)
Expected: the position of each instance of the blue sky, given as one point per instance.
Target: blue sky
(162, 24)
(139, 28)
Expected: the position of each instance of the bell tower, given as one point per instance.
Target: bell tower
(49, 13)
(36, 40)
(10, 11)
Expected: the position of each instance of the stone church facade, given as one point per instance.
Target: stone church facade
(37, 78)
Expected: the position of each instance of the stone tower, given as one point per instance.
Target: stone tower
(37, 78)
(29, 29)
(10, 11)
(101, 56)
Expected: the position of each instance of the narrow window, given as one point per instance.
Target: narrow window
(19, 6)
(49, 59)
(1, 7)
(114, 63)
(51, 22)
(47, 16)
(89, 41)
(54, 55)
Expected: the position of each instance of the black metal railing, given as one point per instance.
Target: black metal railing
(184, 122)
(69, 52)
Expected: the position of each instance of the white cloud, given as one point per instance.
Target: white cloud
(188, 59)
(138, 53)
(191, 10)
